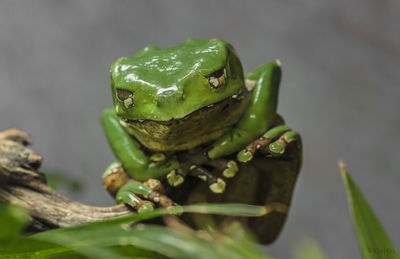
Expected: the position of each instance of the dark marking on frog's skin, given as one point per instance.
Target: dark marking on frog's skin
(189, 131)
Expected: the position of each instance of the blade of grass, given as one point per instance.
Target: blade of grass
(232, 209)
(235, 209)
(372, 238)
(95, 240)
(154, 238)
(161, 240)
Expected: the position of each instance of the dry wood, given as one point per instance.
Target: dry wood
(22, 184)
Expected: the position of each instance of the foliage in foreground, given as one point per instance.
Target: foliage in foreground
(127, 237)
(373, 241)
(372, 238)
(117, 237)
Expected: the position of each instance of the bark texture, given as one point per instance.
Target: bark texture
(22, 184)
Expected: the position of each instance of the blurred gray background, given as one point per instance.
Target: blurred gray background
(340, 89)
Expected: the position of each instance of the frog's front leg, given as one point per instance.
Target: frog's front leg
(259, 116)
(136, 164)
(139, 166)
(258, 119)
(273, 143)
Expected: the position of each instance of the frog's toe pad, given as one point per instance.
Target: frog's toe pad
(244, 156)
(231, 169)
(218, 186)
(273, 143)
(175, 179)
(278, 147)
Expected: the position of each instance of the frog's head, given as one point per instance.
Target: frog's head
(179, 97)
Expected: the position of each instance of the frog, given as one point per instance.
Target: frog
(189, 112)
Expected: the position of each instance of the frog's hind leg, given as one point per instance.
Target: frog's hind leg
(273, 143)
(260, 114)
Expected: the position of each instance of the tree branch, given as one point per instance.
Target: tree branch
(22, 184)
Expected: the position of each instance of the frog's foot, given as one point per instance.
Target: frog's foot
(176, 177)
(229, 168)
(197, 166)
(158, 158)
(114, 177)
(143, 196)
(128, 195)
(155, 196)
(273, 143)
(216, 184)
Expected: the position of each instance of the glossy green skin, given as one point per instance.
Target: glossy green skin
(259, 115)
(170, 84)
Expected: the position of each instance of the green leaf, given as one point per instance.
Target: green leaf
(157, 239)
(12, 220)
(232, 209)
(308, 248)
(235, 209)
(114, 238)
(372, 238)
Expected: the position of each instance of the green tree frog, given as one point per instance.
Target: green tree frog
(188, 111)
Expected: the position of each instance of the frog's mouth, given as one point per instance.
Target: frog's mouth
(196, 128)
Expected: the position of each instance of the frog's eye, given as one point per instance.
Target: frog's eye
(125, 97)
(217, 79)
